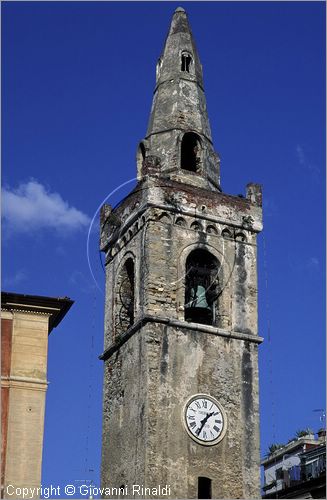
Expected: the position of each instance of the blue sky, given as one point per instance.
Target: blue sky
(78, 79)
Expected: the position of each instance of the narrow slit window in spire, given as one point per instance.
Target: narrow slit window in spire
(186, 62)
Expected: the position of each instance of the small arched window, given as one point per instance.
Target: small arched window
(201, 287)
(186, 61)
(125, 297)
(226, 234)
(190, 152)
(180, 222)
(196, 226)
(204, 487)
(211, 229)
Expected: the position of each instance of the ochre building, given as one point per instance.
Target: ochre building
(26, 321)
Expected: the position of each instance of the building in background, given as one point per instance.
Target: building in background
(26, 321)
(297, 470)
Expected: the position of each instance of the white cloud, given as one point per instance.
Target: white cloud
(31, 206)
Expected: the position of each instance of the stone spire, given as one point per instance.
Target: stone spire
(178, 138)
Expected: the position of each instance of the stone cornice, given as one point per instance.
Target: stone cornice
(53, 307)
(180, 211)
(24, 383)
(12, 309)
(183, 325)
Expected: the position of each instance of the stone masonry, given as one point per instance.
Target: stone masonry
(154, 359)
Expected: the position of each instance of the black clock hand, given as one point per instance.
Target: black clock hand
(207, 417)
(203, 422)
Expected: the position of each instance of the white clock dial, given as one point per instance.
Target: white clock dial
(205, 419)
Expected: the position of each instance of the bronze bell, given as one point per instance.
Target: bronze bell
(197, 308)
(198, 297)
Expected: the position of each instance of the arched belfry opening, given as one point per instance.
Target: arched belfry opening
(191, 152)
(125, 297)
(201, 287)
(186, 62)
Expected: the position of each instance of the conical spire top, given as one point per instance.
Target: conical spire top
(179, 57)
(179, 126)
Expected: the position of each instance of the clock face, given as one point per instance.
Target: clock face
(205, 419)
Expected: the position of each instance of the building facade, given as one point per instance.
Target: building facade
(180, 405)
(26, 321)
(297, 470)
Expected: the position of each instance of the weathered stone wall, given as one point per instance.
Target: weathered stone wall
(147, 384)
(153, 368)
(125, 415)
(182, 363)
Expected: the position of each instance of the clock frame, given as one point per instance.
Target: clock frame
(198, 440)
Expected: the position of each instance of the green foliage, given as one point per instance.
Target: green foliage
(300, 433)
(303, 432)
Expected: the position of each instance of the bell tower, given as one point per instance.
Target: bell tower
(180, 404)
